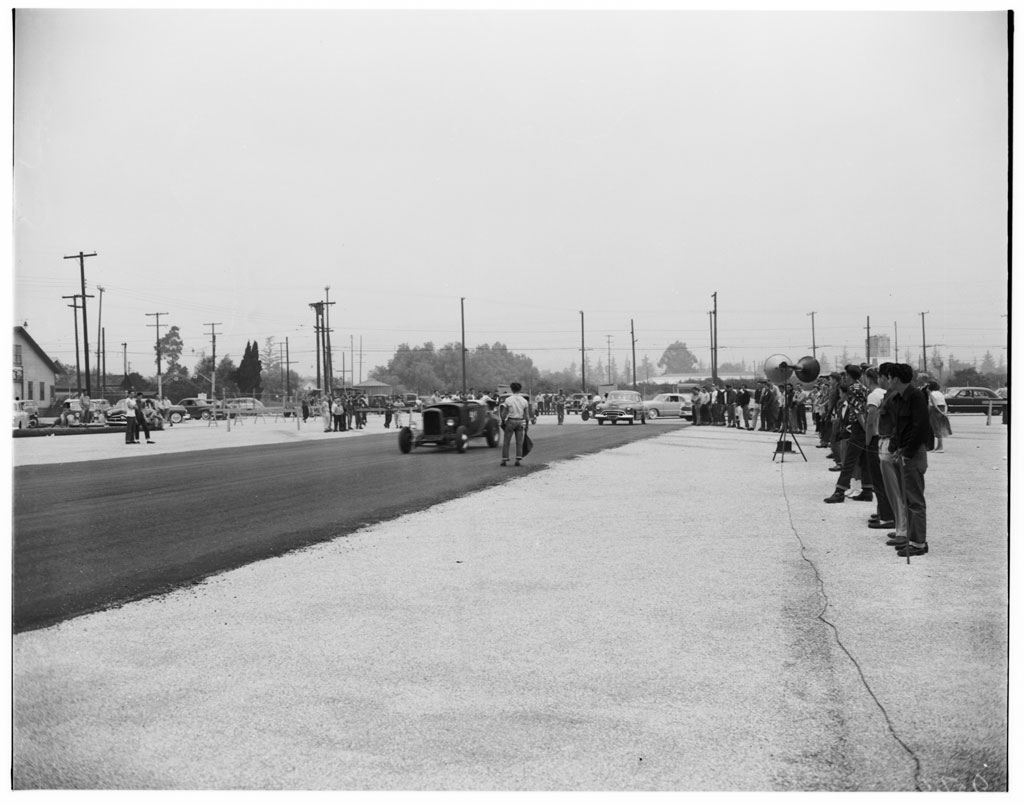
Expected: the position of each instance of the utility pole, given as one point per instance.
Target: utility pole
(159, 373)
(714, 338)
(868, 342)
(103, 340)
(328, 352)
(78, 365)
(318, 312)
(99, 343)
(610, 380)
(124, 357)
(814, 343)
(287, 369)
(896, 343)
(583, 355)
(213, 369)
(352, 356)
(632, 338)
(85, 322)
(711, 336)
(924, 347)
(462, 307)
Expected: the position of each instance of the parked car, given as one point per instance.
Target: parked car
(30, 409)
(449, 424)
(198, 407)
(116, 416)
(621, 406)
(973, 400)
(168, 411)
(21, 417)
(669, 404)
(243, 406)
(576, 403)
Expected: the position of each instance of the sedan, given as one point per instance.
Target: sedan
(621, 406)
(669, 404)
(973, 400)
(197, 407)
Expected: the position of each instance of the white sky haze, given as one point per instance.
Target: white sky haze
(227, 166)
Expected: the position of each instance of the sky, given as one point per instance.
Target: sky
(227, 167)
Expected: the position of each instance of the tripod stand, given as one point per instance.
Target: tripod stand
(782, 444)
(778, 369)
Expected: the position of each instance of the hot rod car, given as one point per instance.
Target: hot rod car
(452, 423)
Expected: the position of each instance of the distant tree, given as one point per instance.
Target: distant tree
(248, 377)
(731, 369)
(966, 376)
(988, 364)
(169, 347)
(645, 370)
(677, 359)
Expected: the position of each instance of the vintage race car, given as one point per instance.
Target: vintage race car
(448, 424)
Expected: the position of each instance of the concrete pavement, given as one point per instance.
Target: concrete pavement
(680, 613)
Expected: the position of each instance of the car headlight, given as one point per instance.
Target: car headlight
(450, 423)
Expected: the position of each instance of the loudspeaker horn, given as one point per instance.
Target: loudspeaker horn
(777, 368)
(807, 369)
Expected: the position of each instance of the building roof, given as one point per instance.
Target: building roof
(21, 331)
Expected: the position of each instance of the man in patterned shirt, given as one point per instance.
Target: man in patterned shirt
(856, 445)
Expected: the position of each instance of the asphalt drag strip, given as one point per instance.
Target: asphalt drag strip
(649, 617)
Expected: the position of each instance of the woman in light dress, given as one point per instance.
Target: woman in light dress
(937, 411)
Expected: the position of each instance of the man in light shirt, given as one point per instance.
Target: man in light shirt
(515, 417)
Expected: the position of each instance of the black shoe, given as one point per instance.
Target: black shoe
(150, 441)
(873, 518)
(913, 550)
(897, 542)
(836, 497)
(830, 455)
(865, 494)
(835, 469)
(882, 524)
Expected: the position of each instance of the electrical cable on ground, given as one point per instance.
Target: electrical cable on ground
(835, 630)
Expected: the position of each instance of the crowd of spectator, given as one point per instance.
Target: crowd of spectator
(879, 425)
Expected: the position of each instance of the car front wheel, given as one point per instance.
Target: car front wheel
(653, 413)
(405, 440)
(175, 417)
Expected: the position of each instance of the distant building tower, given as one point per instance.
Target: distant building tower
(881, 348)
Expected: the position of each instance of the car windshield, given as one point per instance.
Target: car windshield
(623, 396)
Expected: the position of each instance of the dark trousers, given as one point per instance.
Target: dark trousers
(142, 423)
(131, 430)
(339, 422)
(912, 473)
(855, 454)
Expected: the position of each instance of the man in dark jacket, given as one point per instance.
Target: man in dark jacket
(909, 445)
